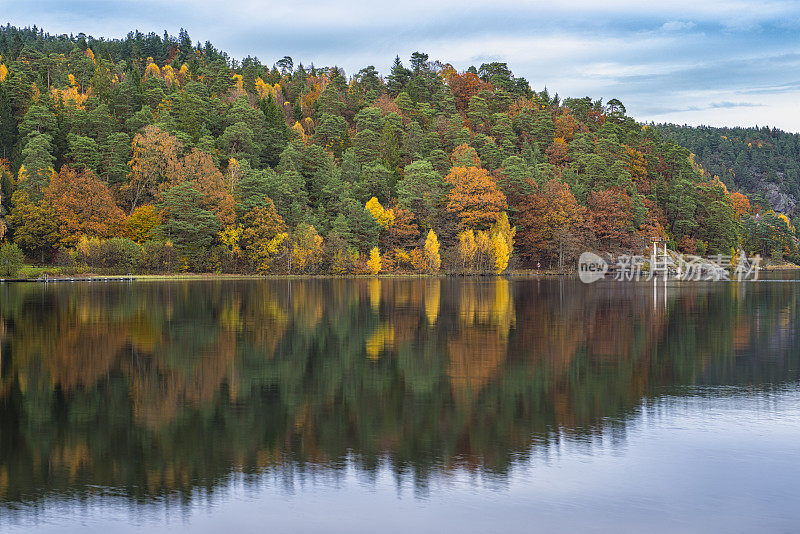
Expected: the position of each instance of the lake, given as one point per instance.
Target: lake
(400, 405)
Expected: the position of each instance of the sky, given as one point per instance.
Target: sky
(715, 62)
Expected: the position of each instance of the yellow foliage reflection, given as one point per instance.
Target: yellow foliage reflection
(433, 294)
(164, 386)
(381, 339)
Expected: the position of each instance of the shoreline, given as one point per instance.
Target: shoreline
(90, 277)
(521, 273)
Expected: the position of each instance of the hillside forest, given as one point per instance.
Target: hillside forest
(763, 161)
(156, 154)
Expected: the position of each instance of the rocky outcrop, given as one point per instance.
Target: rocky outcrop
(780, 202)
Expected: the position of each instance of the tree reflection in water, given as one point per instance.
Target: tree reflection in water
(157, 389)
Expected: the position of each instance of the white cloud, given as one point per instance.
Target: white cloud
(677, 25)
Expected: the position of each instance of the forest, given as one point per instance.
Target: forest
(156, 154)
(765, 162)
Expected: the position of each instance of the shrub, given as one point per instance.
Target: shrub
(11, 258)
(63, 258)
(118, 255)
(159, 257)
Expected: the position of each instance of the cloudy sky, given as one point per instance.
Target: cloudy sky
(719, 62)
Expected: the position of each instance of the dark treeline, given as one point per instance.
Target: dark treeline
(155, 154)
(156, 388)
(750, 159)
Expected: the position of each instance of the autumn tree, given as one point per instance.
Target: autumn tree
(477, 251)
(198, 168)
(557, 152)
(384, 217)
(464, 86)
(740, 204)
(502, 242)
(486, 251)
(501, 253)
(432, 259)
(140, 226)
(549, 218)
(34, 224)
(467, 250)
(566, 126)
(155, 155)
(374, 261)
(474, 197)
(83, 206)
(306, 250)
(611, 218)
(403, 232)
(263, 237)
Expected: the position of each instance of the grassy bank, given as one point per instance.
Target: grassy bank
(37, 273)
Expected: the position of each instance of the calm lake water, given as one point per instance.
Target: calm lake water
(447, 405)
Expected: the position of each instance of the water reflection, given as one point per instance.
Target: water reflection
(150, 390)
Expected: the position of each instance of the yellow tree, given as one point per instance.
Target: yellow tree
(502, 242)
(169, 75)
(265, 90)
(183, 74)
(486, 251)
(500, 252)
(467, 249)
(384, 217)
(374, 261)
(263, 236)
(432, 259)
(230, 236)
(306, 250)
(151, 70)
(300, 133)
(141, 224)
(483, 252)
